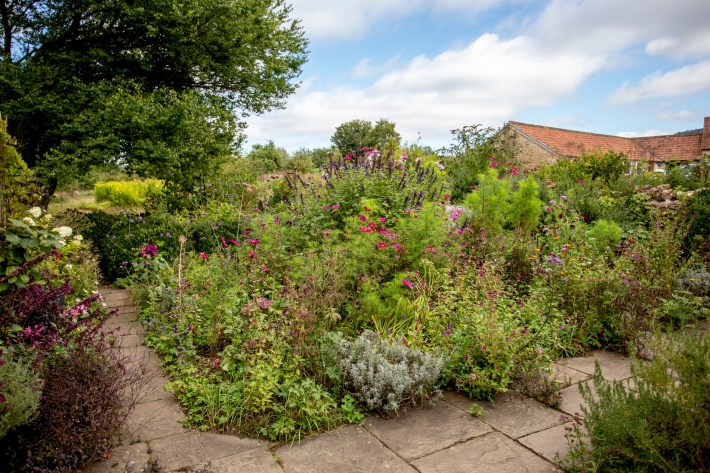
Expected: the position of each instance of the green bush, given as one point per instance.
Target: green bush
(387, 377)
(658, 423)
(128, 192)
(20, 392)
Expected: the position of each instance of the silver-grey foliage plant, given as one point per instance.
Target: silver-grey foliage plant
(387, 377)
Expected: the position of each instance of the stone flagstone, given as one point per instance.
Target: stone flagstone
(425, 430)
(347, 449)
(491, 453)
(512, 413)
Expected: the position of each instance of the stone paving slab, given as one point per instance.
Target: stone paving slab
(572, 400)
(614, 367)
(491, 453)
(177, 452)
(345, 450)
(216, 446)
(568, 376)
(123, 459)
(257, 460)
(154, 420)
(425, 430)
(512, 413)
(550, 443)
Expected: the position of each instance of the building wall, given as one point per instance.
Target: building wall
(531, 155)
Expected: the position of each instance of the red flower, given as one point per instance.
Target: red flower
(204, 256)
(382, 244)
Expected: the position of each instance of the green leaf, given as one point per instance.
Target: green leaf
(12, 238)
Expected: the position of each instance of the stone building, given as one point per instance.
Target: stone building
(545, 145)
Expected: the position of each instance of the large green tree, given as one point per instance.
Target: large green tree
(354, 135)
(155, 85)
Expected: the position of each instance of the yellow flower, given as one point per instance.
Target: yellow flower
(537, 249)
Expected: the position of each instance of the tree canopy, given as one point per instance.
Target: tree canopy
(87, 81)
(354, 135)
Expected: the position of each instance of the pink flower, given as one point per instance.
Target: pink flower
(447, 197)
(254, 242)
(215, 363)
(365, 229)
(335, 207)
(382, 219)
(234, 242)
(363, 218)
(397, 246)
(407, 283)
(224, 242)
(204, 256)
(382, 244)
(252, 254)
(348, 157)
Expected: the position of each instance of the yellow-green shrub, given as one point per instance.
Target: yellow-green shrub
(127, 192)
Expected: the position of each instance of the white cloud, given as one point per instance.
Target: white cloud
(682, 115)
(365, 68)
(350, 19)
(637, 134)
(676, 29)
(487, 82)
(687, 80)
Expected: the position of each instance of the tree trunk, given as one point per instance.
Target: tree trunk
(48, 192)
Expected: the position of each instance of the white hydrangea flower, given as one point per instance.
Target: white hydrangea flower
(36, 212)
(78, 238)
(64, 232)
(29, 221)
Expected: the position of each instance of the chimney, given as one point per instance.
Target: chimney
(705, 140)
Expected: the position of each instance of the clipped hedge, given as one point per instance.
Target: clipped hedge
(128, 192)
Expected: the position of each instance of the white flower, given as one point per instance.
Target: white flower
(29, 221)
(68, 267)
(78, 238)
(64, 232)
(36, 212)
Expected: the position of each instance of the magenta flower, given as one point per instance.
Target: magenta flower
(149, 251)
(335, 207)
(382, 219)
(234, 242)
(254, 242)
(382, 244)
(204, 256)
(365, 229)
(397, 246)
(407, 284)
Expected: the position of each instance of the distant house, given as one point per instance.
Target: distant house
(545, 145)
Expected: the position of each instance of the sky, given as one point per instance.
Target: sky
(617, 67)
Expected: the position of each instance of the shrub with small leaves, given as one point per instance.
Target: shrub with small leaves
(387, 377)
(20, 392)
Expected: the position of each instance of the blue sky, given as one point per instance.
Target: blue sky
(619, 67)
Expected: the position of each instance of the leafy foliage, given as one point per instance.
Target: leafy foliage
(660, 423)
(156, 84)
(351, 137)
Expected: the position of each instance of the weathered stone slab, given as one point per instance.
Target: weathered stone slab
(568, 376)
(491, 453)
(123, 459)
(258, 460)
(177, 452)
(422, 431)
(154, 420)
(346, 450)
(614, 366)
(572, 400)
(216, 446)
(550, 443)
(512, 413)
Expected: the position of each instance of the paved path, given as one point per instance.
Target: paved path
(517, 434)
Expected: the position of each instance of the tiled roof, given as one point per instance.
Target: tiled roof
(574, 143)
(672, 147)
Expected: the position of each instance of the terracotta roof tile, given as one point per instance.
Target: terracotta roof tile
(672, 147)
(574, 143)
